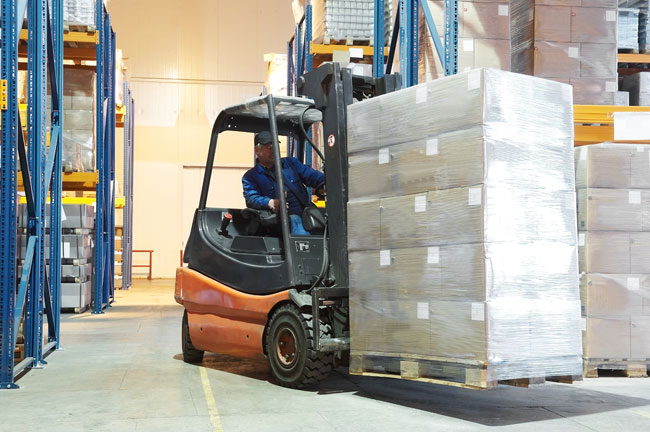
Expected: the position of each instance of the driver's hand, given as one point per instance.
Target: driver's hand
(274, 204)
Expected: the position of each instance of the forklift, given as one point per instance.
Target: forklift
(251, 288)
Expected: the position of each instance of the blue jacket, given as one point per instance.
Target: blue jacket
(260, 186)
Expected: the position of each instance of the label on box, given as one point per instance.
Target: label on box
(356, 52)
(583, 324)
(420, 203)
(384, 258)
(478, 312)
(581, 239)
(468, 45)
(66, 249)
(423, 310)
(631, 126)
(610, 15)
(63, 216)
(634, 197)
(583, 153)
(432, 146)
(503, 10)
(475, 196)
(474, 79)
(421, 94)
(611, 86)
(574, 52)
(639, 149)
(433, 255)
(384, 156)
(633, 284)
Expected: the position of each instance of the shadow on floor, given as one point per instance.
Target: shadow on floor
(501, 406)
(249, 368)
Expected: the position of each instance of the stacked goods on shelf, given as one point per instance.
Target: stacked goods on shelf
(613, 182)
(349, 22)
(78, 120)
(575, 43)
(644, 18)
(79, 13)
(77, 222)
(455, 272)
(628, 29)
(492, 33)
(638, 86)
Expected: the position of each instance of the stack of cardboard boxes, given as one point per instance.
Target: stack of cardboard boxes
(79, 12)
(450, 256)
(613, 182)
(78, 120)
(571, 41)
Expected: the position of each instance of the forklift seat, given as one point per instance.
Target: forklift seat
(314, 220)
(259, 221)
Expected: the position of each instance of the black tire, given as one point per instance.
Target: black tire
(190, 354)
(298, 366)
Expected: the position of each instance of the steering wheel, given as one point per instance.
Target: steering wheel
(319, 191)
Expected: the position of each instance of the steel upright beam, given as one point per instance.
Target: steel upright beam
(41, 171)
(451, 37)
(409, 41)
(379, 31)
(127, 238)
(8, 191)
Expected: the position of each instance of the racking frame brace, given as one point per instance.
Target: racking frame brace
(104, 290)
(127, 228)
(37, 292)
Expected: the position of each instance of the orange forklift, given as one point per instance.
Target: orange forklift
(250, 287)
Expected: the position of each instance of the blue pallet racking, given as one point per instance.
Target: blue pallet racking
(37, 293)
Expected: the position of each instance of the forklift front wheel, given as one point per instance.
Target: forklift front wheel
(190, 354)
(290, 348)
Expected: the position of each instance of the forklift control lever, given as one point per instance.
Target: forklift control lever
(227, 217)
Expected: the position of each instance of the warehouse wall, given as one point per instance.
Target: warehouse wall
(186, 61)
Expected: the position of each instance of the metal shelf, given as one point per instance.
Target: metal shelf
(595, 123)
(634, 58)
(317, 49)
(37, 296)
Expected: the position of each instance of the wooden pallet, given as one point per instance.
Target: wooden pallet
(79, 28)
(627, 367)
(449, 372)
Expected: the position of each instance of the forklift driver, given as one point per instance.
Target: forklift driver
(260, 186)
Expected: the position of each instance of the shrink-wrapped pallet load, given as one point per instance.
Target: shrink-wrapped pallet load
(628, 29)
(79, 120)
(347, 22)
(613, 183)
(452, 262)
(638, 86)
(79, 12)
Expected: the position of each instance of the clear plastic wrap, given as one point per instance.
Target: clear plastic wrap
(642, 6)
(493, 34)
(79, 12)
(335, 20)
(607, 165)
(451, 257)
(575, 43)
(638, 85)
(79, 120)
(614, 210)
(614, 252)
(628, 28)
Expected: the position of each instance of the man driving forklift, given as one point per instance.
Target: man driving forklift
(260, 184)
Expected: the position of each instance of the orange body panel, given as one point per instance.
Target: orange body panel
(221, 319)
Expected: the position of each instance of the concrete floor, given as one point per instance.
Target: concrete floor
(122, 371)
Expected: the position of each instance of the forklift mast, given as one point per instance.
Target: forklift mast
(332, 89)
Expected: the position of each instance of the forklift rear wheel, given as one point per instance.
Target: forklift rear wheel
(190, 354)
(290, 348)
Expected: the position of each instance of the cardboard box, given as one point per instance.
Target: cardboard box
(640, 337)
(614, 252)
(614, 210)
(613, 294)
(638, 85)
(607, 338)
(619, 166)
